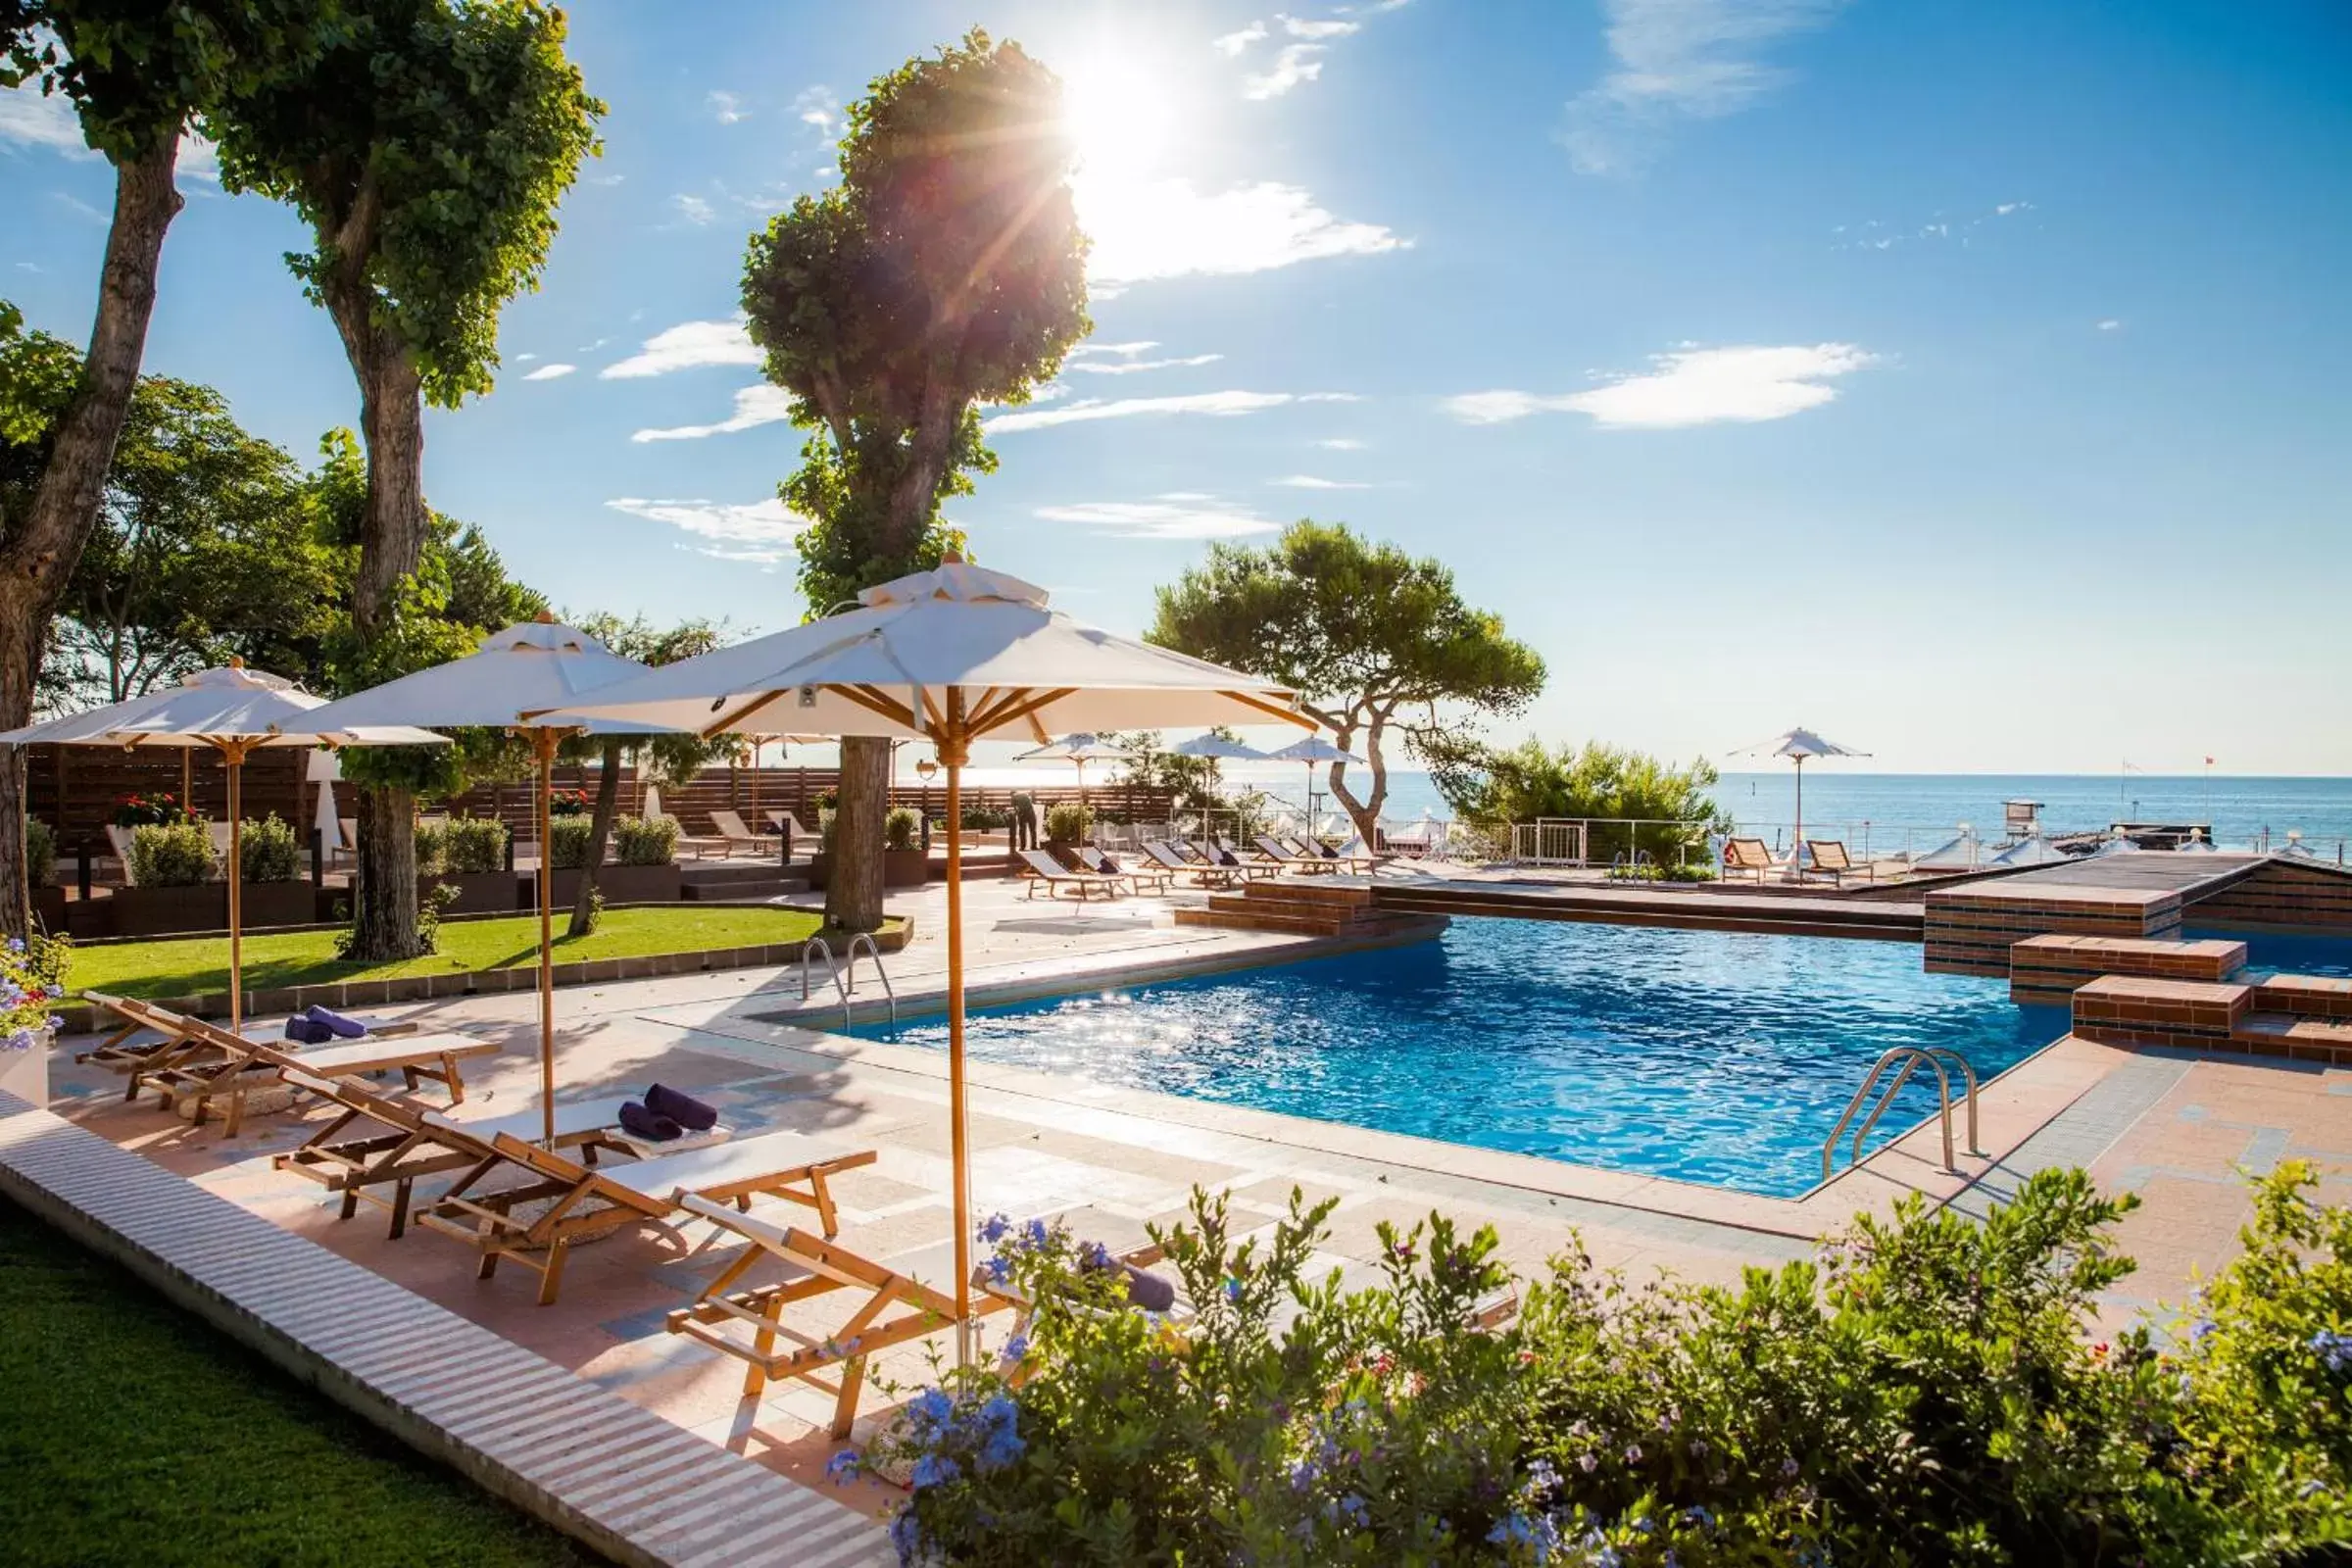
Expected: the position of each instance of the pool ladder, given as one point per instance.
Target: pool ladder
(845, 977)
(1910, 1058)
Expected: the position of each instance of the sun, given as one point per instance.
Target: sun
(1120, 117)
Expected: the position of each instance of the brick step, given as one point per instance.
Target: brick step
(1313, 925)
(2279, 1034)
(712, 873)
(2306, 995)
(1282, 903)
(743, 892)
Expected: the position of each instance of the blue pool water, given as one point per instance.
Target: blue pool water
(1705, 1056)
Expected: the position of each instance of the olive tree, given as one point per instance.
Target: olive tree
(1373, 640)
(137, 76)
(944, 271)
(428, 150)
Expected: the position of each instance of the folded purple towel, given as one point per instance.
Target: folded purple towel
(1226, 856)
(1149, 1291)
(1328, 853)
(308, 1031)
(640, 1122)
(1111, 866)
(344, 1028)
(682, 1108)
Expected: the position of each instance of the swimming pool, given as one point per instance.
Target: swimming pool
(1706, 1056)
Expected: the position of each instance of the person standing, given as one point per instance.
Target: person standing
(1024, 821)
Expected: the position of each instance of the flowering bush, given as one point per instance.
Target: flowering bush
(567, 802)
(1926, 1391)
(161, 809)
(33, 981)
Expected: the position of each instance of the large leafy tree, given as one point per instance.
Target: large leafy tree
(428, 150)
(670, 758)
(1376, 642)
(137, 72)
(1632, 799)
(944, 271)
(206, 547)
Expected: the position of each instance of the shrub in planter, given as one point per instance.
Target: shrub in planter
(432, 850)
(567, 802)
(902, 828)
(474, 846)
(177, 855)
(986, 819)
(1067, 823)
(644, 841)
(40, 853)
(268, 852)
(161, 808)
(567, 841)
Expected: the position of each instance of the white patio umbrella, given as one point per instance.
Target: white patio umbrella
(323, 770)
(1311, 751)
(235, 711)
(1223, 748)
(952, 656)
(1800, 746)
(531, 664)
(1080, 749)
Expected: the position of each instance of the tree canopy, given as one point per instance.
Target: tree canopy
(1374, 641)
(1609, 786)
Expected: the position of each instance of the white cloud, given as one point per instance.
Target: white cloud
(1165, 229)
(1688, 386)
(694, 209)
(754, 406)
(77, 207)
(199, 158)
(1129, 367)
(758, 532)
(551, 372)
(2111, 324)
(1676, 60)
(1085, 349)
(685, 346)
(524, 358)
(2007, 208)
(1179, 515)
(1341, 443)
(1308, 481)
(725, 107)
(1232, 44)
(30, 118)
(1296, 62)
(818, 109)
(1218, 405)
(1308, 28)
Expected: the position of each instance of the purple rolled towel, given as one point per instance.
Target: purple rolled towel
(1111, 866)
(308, 1031)
(682, 1108)
(641, 1122)
(343, 1028)
(1149, 1291)
(1226, 856)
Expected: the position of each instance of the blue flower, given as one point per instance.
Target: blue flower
(993, 1229)
(1016, 1348)
(2334, 1349)
(1541, 1476)
(931, 1409)
(1034, 1233)
(907, 1536)
(1001, 1449)
(1097, 1255)
(1233, 1290)
(935, 1470)
(843, 1466)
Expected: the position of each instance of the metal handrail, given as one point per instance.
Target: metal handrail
(1910, 1056)
(866, 938)
(810, 950)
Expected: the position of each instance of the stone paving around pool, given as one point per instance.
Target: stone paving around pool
(2172, 1127)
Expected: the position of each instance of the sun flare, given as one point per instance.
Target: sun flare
(1120, 115)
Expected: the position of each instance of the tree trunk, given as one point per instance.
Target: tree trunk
(600, 833)
(1365, 814)
(40, 559)
(391, 545)
(853, 876)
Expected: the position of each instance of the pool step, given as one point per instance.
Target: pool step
(1309, 907)
(2046, 970)
(2227, 1016)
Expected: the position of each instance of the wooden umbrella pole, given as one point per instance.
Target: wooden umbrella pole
(952, 753)
(545, 740)
(187, 764)
(234, 754)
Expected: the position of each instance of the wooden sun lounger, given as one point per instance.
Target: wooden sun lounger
(217, 1064)
(380, 1141)
(123, 1052)
(1164, 856)
(892, 1303)
(1213, 859)
(1748, 857)
(1274, 850)
(736, 834)
(1830, 860)
(585, 1201)
(1042, 873)
(1140, 879)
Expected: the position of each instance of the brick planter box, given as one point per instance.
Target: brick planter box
(619, 884)
(169, 911)
(478, 891)
(49, 908)
(900, 868)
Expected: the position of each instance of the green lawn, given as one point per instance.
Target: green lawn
(188, 966)
(132, 1432)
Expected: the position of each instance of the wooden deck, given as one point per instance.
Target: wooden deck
(628, 1484)
(1693, 908)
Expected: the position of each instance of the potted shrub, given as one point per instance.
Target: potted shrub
(270, 857)
(641, 863)
(1066, 825)
(904, 864)
(468, 854)
(40, 874)
(33, 981)
(174, 886)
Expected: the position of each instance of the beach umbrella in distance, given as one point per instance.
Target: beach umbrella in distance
(1080, 749)
(1800, 746)
(233, 711)
(1224, 748)
(951, 656)
(531, 664)
(1311, 751)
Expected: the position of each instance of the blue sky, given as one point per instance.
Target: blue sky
(1965, 380)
